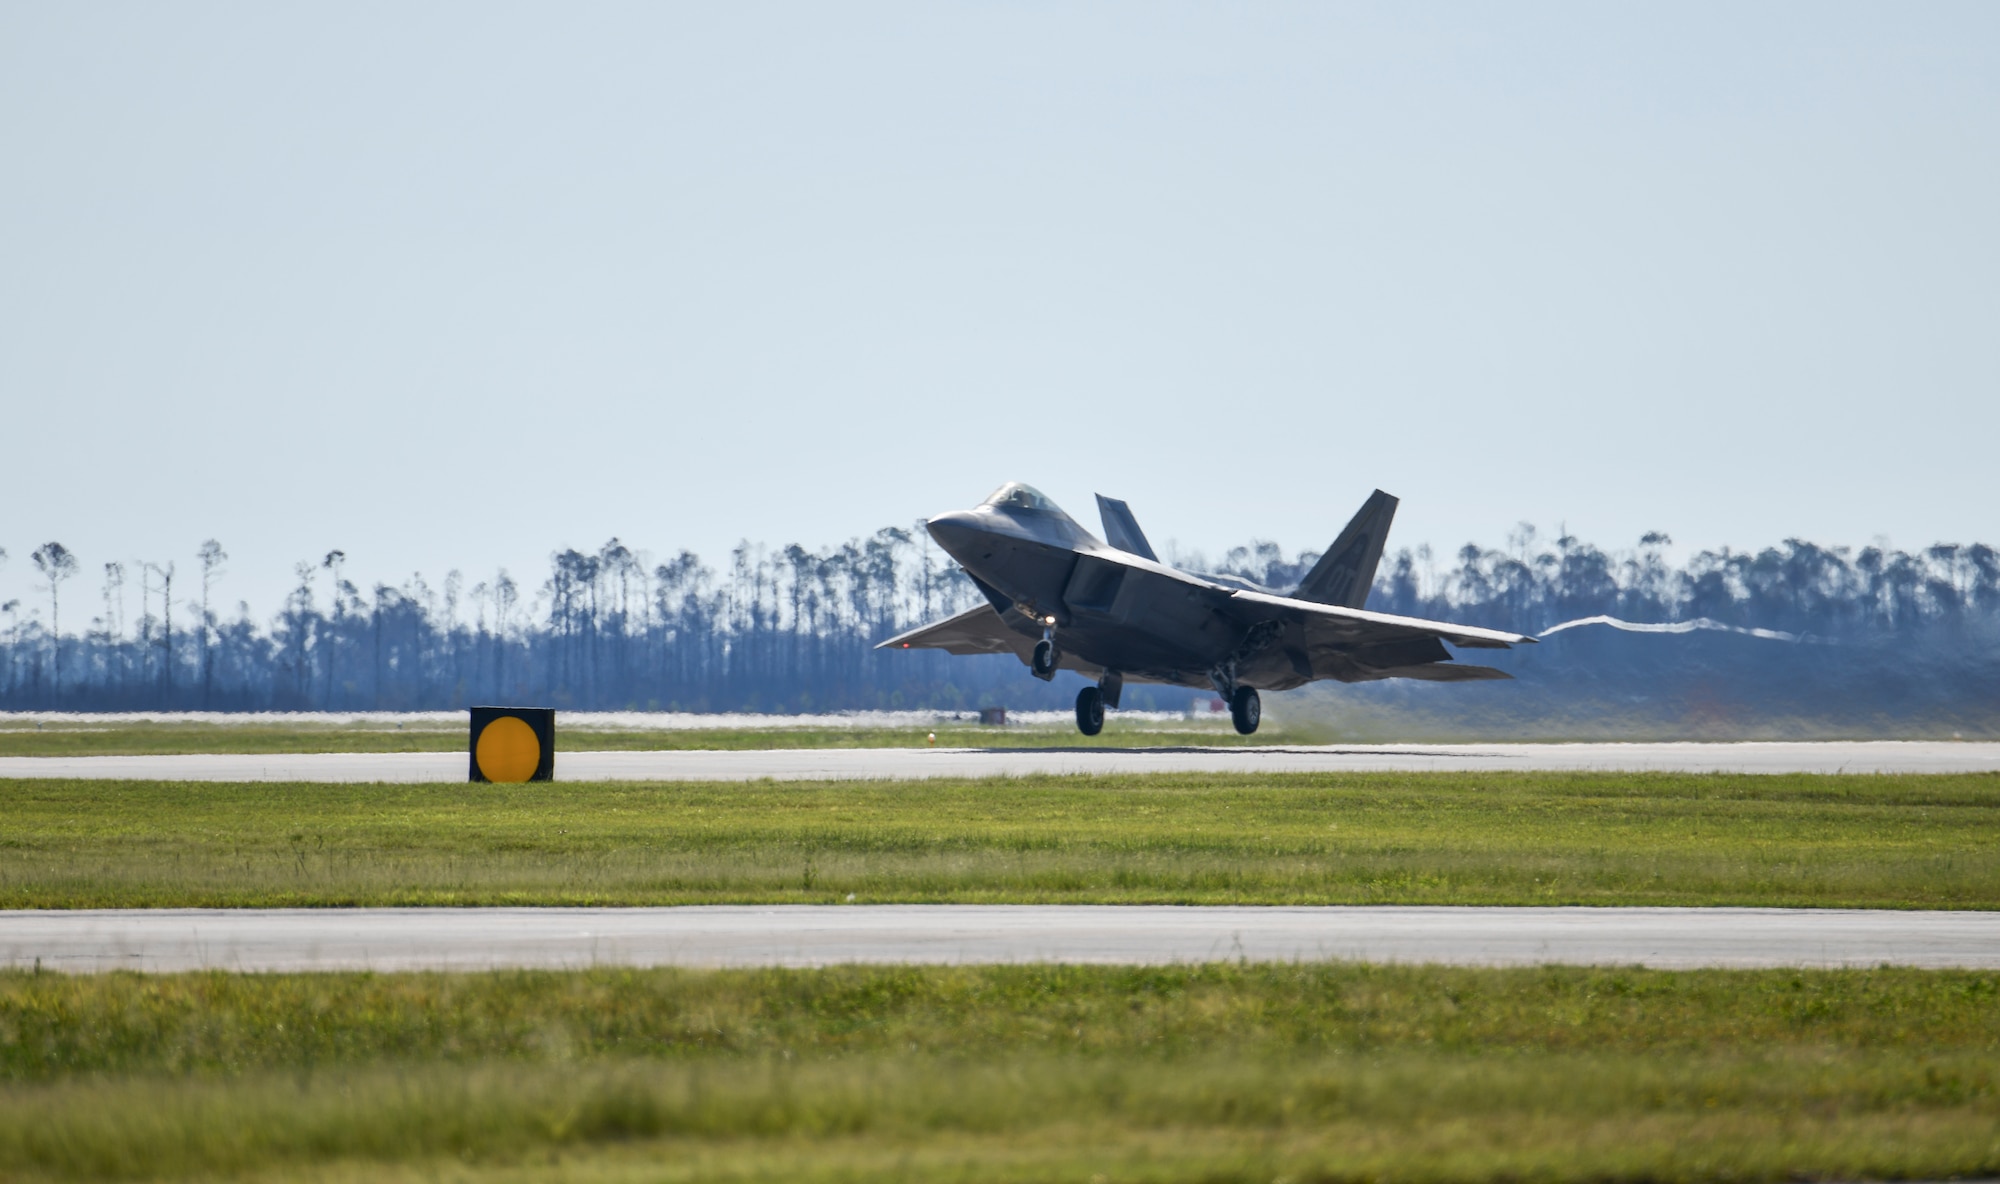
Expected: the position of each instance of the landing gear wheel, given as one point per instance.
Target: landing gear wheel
(1245, 710)
(1090, 711)
(1044, 664)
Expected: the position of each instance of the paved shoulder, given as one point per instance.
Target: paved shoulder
(805, 935)
(276, 766)
(921, 763)
(917, 763)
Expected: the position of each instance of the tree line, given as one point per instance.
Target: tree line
(791, 629)
(1799, 587)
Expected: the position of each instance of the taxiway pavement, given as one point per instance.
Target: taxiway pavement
(829, 764)
(815, 935)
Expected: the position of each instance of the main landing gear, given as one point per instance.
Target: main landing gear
(1245, 710)
(1091, 702)
(1090, 711)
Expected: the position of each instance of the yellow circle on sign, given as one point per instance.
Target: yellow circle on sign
(508, 750)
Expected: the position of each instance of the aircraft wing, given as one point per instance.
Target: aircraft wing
(1308, 640)
(1318, 641)
(977, 630)
(1358, 625)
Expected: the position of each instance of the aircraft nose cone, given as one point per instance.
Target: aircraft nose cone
(954, 530)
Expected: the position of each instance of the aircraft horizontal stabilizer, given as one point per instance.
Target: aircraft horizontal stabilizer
(977, 630)
(981, 630)
(1446, 672)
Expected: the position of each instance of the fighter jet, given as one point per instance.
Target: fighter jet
(1059, 598)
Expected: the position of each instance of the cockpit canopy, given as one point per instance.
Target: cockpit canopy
(1016, 496)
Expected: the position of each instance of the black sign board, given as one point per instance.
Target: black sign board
(513, 744)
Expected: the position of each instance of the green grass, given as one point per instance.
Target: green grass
(139, 739)
(1438, 838)
(1217, 1072)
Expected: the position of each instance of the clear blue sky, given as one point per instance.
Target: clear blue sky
(453, 285)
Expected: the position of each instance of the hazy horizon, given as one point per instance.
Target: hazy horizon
(456, 286)
(83, 595)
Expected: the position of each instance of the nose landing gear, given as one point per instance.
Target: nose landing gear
(1043, 666)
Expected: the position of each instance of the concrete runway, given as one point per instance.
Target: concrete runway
(823, 764)
(810, 935)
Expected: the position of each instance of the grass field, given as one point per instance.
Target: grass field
(1218, 1072)
(1200, 1073)
(1442, 838)
(121, 738)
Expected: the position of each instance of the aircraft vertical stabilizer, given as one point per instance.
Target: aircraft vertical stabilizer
(1346, 572)
(1121, 530)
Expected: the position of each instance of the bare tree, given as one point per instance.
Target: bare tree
(479, 595)
(299, 617)
(56, 564)
(375, 626)
(166, 575)
(145, 637)
(11, 608)
(453, 582)
(211, 556)
(615, 562)
(505, 594)
(335, 560)
(114, 618)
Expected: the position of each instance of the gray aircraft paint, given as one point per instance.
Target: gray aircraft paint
(1115, 613)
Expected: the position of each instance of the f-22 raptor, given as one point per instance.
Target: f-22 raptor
(1059, 598)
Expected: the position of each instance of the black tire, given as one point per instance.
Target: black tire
(1044, 665)
(1246, 711)
(1090, 711)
